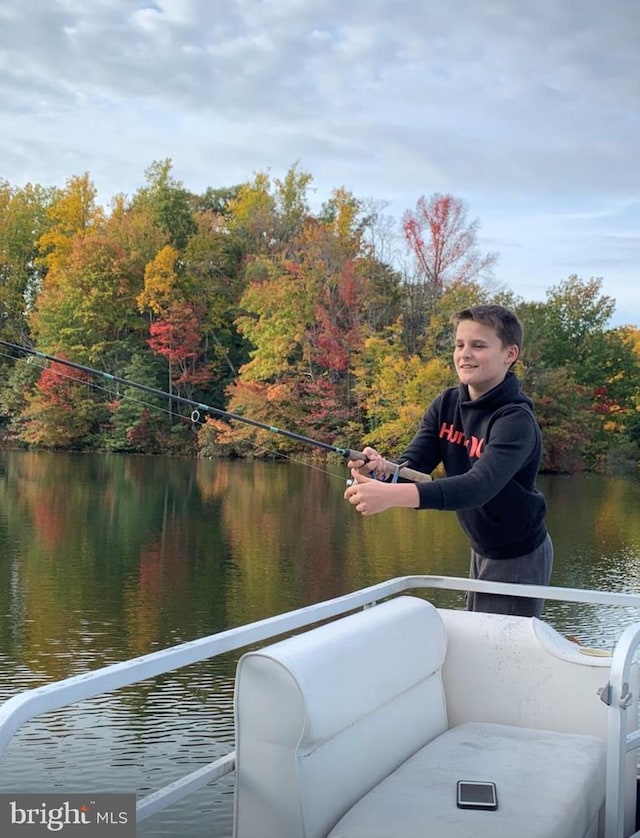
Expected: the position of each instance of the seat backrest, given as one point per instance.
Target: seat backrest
(323, 716)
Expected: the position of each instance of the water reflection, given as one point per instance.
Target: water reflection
(108, 557)
(596, 531)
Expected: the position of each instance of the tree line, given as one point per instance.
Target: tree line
(331, 323)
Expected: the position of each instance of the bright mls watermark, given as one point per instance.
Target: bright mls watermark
(27, 815)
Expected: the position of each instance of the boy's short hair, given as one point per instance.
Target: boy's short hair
(503, 321)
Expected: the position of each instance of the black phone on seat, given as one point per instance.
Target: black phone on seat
(476, 794)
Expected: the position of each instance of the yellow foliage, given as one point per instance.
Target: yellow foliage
(347, 208)
(631, 335)
(252, 212)
(275, 326)
(75, 213)
(160, 280)
(400, 391)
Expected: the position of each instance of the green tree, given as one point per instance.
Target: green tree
(133, 229)
(19, 380)
(89, 310)
(569, 333)
(216, 200)
(575, 311)
(266, 216)
(170, 204)
(23, 219)
(139, 420)
(568, 423)
(212, 266)
(274, 317)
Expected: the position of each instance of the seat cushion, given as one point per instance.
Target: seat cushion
(323, 716)
(549, 785)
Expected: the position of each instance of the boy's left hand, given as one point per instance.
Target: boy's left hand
(369, 496)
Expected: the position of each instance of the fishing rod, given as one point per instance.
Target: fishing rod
(395, 470)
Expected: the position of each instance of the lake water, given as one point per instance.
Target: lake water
(103, 558)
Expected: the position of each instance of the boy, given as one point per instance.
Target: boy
(485, 434)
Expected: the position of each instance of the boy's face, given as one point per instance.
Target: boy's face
(480, 359)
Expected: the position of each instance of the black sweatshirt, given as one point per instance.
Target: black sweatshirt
(490, 448)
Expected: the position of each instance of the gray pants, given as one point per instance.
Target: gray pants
(531, 569)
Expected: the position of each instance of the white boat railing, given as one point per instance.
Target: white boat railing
(617, 695)
(21, 708)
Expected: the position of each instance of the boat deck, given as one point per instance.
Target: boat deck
(21, 708)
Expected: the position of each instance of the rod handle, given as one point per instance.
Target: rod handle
(391, 468)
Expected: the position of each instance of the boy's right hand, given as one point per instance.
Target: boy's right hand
(372, 467)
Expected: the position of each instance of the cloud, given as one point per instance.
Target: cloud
(528, 109)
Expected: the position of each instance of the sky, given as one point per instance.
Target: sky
(527, 110)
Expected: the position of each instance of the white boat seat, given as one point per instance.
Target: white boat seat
(342, 731)
(549, 785)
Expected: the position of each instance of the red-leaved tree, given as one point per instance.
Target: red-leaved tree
(177, 337)
(62, 412)
(444, 243)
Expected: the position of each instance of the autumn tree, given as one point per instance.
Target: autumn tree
(90, 309)
(161, 282)
(72, 214)
(71, 217)
(23, 218)
(396, 392)
(212, 266)
(273, 317)
(62, 412)
(443, 245)
(301, 317)
(292, 203)
(133, 229)
(176, 322)
(393, 387)
(252, 215)
(267, 213)
(87, 307)
(631, 336)
(176, 337)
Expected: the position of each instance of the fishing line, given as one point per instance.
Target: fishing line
(394, 470)
(258, 447)
(97, 386)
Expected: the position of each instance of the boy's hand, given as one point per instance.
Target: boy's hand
(368, 495)
(373, 466)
